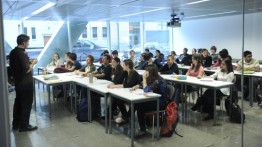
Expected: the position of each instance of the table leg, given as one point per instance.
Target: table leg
(157, 116)
(106, 114)
(71, 98)
(132, 124)
(215, 115)
(251, 91)
(183, 105)
(64, 90)
(38, 74)
(75, 96)
(89, 104)
(185, 101)
(34, 95)
(110, 114)
(49, 100)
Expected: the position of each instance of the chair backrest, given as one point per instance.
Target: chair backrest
(171, 91)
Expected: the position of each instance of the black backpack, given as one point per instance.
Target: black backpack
(234, 111)
(82, 111)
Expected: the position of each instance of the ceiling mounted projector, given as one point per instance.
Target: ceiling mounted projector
(175, 21)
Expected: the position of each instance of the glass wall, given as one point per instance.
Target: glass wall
(225, 31)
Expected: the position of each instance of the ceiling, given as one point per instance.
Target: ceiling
(125, 10)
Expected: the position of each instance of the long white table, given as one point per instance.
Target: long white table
(212, 84)
(63, 79)
(133, 98)
(238, 73)
(100, 86)
(251, 86)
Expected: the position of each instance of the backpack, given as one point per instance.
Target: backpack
(234, 111)
(170, 121)
(82, 111)
(61, 70)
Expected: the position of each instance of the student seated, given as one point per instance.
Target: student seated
(173, 54)
(144, 61)
(88, 68)
(132, 55)
(250, 64)
(152, 82)
(196, 70)
(179, 60)
(207, 99)
(213, 54)
(131, 79)
(147, 51)
(170, 67)
(206, 59)
(56, 62)
(72, 64)
(84, 71)
(104, 71)
(159, 56)
(117, 78)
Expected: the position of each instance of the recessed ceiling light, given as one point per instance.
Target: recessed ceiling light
(196, 2)
(48, 5)
(212, 14)
(143, 12)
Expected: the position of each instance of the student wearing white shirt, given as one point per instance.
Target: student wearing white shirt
(207, 99)
(56, 62)
(132, 54)
(250, 64)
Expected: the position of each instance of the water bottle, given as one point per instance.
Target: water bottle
(44, 71)
(90, 78)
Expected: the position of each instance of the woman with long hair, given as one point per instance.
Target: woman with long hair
(196, 70)
(207, 99)
(56, 62)
(152, 82)
(131, 79)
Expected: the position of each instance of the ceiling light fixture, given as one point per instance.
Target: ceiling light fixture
(48, 5)
(143, 12)
(212, 14)
(25, 18)
(196, 2)
(45, 7)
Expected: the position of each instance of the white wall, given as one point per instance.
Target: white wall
(11, 31)
(223, 32)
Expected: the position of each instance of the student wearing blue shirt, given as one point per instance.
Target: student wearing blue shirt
(75, 64)
(152, 82)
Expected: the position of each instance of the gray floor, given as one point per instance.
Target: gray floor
(64, 130)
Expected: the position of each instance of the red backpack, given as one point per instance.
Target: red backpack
(170, 121)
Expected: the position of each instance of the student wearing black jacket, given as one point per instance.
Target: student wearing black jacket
(206, 60)
(131, 79)
(117, 74)
(103, 72)
(170, 67)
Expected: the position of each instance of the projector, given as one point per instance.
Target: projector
(173, 24)
(175, 21)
